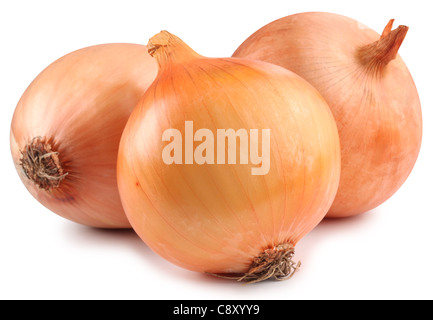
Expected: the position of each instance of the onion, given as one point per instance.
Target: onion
(369, 90)
(226, 164)
(67, 127)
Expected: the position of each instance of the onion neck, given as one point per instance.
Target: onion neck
(378, 54)
(41, 164)
(167, 48)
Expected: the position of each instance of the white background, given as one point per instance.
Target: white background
(383, 254)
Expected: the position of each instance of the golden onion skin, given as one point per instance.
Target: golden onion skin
(217, 218)
(367, 86)
(67, 126)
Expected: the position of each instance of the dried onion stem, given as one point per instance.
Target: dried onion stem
(41, 164)
(275, 263)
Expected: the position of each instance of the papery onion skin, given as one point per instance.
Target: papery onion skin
(369, 90)
(218, 218)
(77, 107)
